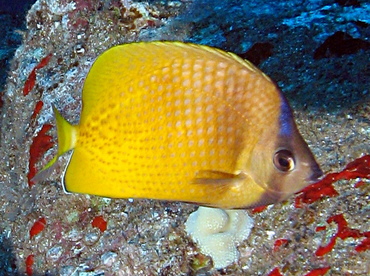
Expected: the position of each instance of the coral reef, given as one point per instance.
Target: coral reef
(218, 232)
(320, 232)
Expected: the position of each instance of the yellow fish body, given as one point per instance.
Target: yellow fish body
(184, 122)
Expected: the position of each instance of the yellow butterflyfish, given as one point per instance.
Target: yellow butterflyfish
(184, 122)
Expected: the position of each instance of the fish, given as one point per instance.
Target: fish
(183, 122)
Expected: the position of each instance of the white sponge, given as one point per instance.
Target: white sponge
(217, 233)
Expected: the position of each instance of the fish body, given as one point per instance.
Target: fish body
(184, 122)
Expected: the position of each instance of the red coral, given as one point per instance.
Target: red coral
(40, 144)
(317, 191)
(278, 243)
(100, 223)
(365, 244)
(359, 168)
(44, 62)
(318, 271)
(259, 209)
(320, 228)
(37, 109)
(360, 184)
(343, 232)
(31, 80)
(275, 272)
(29, 264)
(37, 227)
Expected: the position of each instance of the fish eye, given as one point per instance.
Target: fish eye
(284, 160)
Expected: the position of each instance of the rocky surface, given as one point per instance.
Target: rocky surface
(48, 232)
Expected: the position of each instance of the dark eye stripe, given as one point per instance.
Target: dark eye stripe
(285, 118)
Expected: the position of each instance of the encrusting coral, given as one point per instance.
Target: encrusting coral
(217, 232)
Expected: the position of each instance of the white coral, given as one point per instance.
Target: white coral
(217, 233)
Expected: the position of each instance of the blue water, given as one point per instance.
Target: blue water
(12, 18)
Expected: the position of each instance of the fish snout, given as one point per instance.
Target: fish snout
(316, 175)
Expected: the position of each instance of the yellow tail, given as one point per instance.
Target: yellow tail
(67, 137)
(67, 133)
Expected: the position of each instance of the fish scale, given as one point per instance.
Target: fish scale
(192, 156)
(175, 121)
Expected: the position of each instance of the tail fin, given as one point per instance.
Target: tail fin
(67, 133)
(67, 137)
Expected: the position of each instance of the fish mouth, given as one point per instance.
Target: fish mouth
(316, 175)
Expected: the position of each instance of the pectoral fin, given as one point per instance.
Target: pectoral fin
(210, 177)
